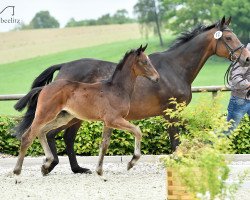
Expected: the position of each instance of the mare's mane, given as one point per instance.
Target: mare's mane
(190, 34)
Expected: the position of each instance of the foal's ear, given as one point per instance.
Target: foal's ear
(228, 21)
(139, 50)
(143, 48)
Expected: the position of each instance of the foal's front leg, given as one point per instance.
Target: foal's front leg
(123, 124)
(106, 134)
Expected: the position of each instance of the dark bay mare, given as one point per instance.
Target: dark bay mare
(108, 101)
(178, 67)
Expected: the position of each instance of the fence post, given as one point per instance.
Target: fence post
(214, 94)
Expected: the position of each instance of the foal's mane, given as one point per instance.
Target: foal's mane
(190, 34)
(120, 65)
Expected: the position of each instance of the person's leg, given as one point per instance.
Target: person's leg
(248, 107)
(237, 108)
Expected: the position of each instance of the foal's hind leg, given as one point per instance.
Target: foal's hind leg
(26, 140)
(106, 134)
(48, 154)
(123, 124)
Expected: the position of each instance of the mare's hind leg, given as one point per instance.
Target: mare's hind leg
(69, 138)
(123, 124)
(106, 134)
(68, 134)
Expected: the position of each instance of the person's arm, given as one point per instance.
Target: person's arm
(239, 79)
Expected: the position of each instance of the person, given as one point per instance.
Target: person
(239, 103)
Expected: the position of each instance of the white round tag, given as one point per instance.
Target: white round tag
(217, 35)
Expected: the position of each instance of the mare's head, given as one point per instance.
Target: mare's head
(142, 65)
(226, 44)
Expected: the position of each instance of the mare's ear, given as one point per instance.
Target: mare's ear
(139, 50)
(144, 48)
(228, 21)
(222, 22)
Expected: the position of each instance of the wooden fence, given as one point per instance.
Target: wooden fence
(213, 89)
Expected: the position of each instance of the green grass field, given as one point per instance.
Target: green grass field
(17, 77)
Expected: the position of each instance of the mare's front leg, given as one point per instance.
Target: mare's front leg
(123, 124)
(106, 134)
(173, 133)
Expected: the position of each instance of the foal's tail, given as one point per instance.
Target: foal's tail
(29, 100)
(45, 77)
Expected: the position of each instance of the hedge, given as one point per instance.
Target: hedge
(155, 139)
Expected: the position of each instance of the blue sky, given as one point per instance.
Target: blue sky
(62, 10)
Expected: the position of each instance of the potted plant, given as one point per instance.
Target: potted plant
(198, 169)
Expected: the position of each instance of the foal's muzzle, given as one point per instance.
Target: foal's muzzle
(154, 78)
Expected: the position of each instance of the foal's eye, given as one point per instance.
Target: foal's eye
(228, 38)
(143, 62)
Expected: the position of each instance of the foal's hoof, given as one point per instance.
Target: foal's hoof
(99, 172)
(130, 165)
(17, 171)
(81, 170)
(44, 170)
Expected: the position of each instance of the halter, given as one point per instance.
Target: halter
(231, 51)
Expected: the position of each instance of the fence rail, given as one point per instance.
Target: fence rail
(213, 89)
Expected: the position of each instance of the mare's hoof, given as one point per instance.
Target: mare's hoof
(44, 170)
(129, 166)
(81, 170)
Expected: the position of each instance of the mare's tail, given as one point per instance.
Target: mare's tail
(30, 100)
(45, 77)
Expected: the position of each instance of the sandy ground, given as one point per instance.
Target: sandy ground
(146, 181)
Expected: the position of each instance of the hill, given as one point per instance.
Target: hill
(20, 45)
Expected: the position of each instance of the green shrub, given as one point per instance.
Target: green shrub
(241, 137)
(202, 150)
(155, 139)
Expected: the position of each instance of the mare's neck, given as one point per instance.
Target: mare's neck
(124, 79)
(191, 56)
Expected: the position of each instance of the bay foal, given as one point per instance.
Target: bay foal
(107, 101)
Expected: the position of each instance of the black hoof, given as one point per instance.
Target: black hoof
(52, 165)
(81, 170)
(44, 170)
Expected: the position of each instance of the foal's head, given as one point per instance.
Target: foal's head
(142, 65)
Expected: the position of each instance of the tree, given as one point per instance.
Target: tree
(240, 12)
(105, 19)
(43, 19)
(148, 13)
(121, 17)
(183, 14)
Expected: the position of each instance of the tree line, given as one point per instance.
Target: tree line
(182, 15)
(174, 15)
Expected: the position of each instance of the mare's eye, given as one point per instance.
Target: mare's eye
(228, 38)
